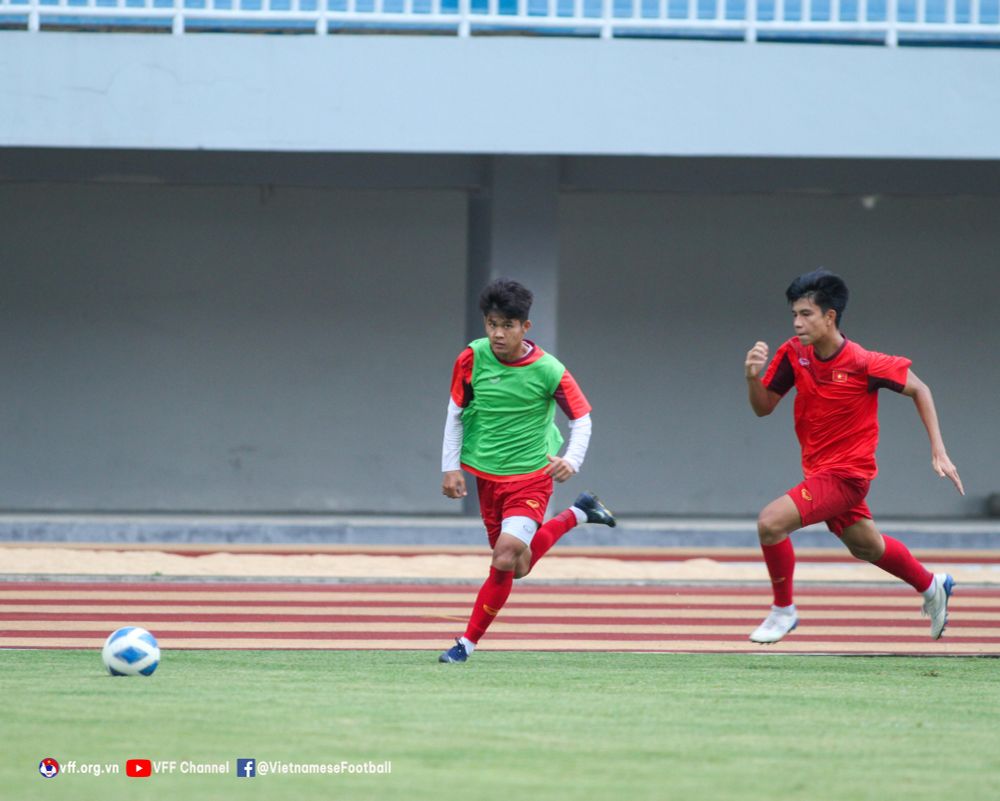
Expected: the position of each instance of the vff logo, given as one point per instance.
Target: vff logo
(246, 768)
(49, 768)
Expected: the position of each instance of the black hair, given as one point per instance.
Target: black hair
(826, 290)
(506, 297)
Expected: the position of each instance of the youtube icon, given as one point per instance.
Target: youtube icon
(139, 768)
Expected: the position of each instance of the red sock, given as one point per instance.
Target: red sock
(780, 561)
(898, 561)
(492, 596)
(549, 534)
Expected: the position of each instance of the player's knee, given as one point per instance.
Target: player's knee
(865, 551)
(505, 559)
(523, 566)
(770, 528)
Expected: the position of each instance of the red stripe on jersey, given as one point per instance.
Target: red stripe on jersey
(461, 379)
(503, 479)
(570, 398)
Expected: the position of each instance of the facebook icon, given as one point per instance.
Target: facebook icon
(246, 768)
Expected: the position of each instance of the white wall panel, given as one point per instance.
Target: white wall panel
(429, 94)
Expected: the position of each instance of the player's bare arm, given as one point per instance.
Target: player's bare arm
(921, 394)
(453, 484)
(762, 400)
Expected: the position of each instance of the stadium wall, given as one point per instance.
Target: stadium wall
(275, 332)
(496, 94)
(237, 268)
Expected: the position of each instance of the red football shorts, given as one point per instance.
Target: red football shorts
(838, 501)
(501, 499)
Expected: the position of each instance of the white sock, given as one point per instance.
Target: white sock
(581, 516)
(470, 646)
(929, 592)
(785, 610)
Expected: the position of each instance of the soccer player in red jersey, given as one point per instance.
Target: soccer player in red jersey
(500, 428)
(836, 421)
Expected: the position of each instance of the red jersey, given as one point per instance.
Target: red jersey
(836, 403)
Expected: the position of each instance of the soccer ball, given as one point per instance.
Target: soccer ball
(131, 651)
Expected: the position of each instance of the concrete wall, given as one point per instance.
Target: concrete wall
(519, 95)
(223, 348)
(238, 347)
(662, 295)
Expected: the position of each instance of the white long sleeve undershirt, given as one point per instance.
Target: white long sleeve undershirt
(579, 441)
(451, 447)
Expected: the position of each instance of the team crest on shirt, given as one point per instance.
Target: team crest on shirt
(803, 361)
(806, 494)
(840, 376)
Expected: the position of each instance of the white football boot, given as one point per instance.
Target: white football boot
(776, 625)
(936, 607)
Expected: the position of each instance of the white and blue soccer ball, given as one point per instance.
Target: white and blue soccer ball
(131, 651)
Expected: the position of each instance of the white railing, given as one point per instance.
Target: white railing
(876, 21)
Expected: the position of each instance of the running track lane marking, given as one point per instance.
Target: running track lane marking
(835, 620)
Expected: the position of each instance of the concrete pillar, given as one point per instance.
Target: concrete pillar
(513, 232)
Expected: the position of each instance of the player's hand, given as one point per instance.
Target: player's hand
(943, 467)
(453, 484)
(756, 359)
(559, 469)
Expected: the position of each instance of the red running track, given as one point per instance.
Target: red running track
(426, 617)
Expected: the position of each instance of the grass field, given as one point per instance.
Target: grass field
(510, 725)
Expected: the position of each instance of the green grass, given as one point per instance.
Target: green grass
(511, 726)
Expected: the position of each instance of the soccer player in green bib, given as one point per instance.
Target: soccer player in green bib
(500, 428)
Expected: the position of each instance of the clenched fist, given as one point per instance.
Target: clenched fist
(756, 359)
